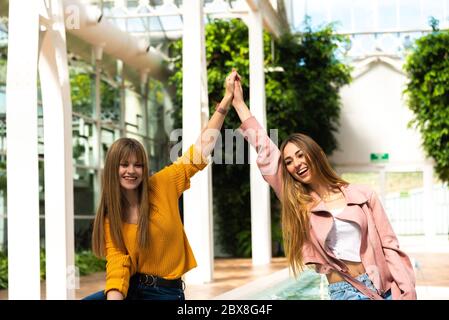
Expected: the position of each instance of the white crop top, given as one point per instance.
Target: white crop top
(344, 239)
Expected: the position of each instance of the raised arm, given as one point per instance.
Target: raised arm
(268, 154)
(208, 137)
(195, 158)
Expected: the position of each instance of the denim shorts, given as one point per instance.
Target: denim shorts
(139, 291)
(343, 290)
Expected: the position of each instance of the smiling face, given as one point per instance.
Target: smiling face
(130, 173)
(296, 163)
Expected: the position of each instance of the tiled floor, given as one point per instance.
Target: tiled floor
(228, 274)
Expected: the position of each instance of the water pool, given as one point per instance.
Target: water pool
(309, 285)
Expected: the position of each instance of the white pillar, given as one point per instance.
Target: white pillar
(121, 73)
(429, 215)
(260, 193)
(61, 275)
(97, 58)
(198, 199)
(22, 152)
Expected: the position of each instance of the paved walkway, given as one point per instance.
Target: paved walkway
(228, 274)
(431, 259)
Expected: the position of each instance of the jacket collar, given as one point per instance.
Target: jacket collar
(351, 193)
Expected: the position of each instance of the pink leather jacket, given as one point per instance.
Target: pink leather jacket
(386, 265)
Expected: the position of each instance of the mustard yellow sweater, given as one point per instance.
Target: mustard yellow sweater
(170, 255)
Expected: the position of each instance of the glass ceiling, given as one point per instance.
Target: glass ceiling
(356, 16)
(387, 26)
(374, 26)
(160, 20)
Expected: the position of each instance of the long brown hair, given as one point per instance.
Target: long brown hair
(296, 199)
(113, 202)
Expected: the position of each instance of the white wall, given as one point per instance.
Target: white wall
(374, 118)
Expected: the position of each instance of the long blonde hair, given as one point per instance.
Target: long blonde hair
(113, 201)
(296, 199)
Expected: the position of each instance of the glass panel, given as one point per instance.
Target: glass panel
(170, 22)
(82, 84)
(2, 63)
(363, 16)
(108, 136)
(41, 204)
(410, 17)
(159, 155)
(83, 234)
(387, 15)
(445, 21)
(82, 137)
(137, 137)
(434, 9)
(2, 100)
(341, 12)
(3, 222)
(83, 185)
(156, 112)
(319, 12)
(40, 130)
(2, 121)
(134, 120)
(110, 103)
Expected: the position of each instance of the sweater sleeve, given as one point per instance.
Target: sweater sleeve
(398, 262)
(118, 265)
(186, 167)
(268, 154)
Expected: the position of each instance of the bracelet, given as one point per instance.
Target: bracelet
(222, 110)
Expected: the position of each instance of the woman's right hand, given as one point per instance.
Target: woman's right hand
(114, 295)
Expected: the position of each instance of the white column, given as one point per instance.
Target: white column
(197, 200)
(260, 193)
(97, 58)
(61, 276)
(22, 152)
(121, 73)
(429, 215)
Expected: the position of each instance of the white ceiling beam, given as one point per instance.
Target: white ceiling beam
(272, 21)
(88, 24)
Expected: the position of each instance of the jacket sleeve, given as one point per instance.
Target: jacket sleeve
(268, 154)
(186, 167)
(118, 265)
(398, 262)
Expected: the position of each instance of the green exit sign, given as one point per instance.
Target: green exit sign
(379, 157)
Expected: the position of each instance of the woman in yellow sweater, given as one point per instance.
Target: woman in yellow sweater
(138, 226)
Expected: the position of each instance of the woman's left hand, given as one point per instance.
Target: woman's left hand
(229, 84)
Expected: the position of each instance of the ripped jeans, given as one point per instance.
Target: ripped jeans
(343, 290)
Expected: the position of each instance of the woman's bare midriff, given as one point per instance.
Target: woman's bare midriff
(355, 269)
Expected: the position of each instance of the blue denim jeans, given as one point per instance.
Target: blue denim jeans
(345, 291)
(138, 291)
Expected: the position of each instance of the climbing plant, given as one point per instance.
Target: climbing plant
(427, 92)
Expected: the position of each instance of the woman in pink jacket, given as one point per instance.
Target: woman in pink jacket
(338, 227)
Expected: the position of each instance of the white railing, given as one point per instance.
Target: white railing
(406, 211)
